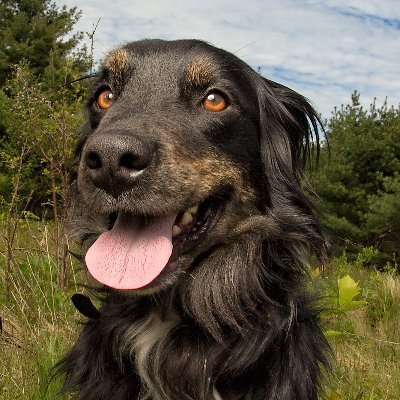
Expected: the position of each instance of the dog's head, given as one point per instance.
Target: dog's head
(186, 150)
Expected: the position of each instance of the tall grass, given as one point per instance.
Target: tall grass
(38, 320)
(368, 351)
(39, 323)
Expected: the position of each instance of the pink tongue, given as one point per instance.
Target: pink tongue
(132, 254)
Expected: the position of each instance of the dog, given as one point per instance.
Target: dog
(193, 219)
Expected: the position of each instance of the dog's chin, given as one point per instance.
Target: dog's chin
(192, 235)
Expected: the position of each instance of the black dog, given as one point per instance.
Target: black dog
(194, 220)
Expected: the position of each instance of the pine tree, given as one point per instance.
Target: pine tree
(38, 32)
(358, 179)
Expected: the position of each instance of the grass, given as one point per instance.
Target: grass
(368, 351)
(39, 323)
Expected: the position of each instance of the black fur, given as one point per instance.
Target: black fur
(234, 319)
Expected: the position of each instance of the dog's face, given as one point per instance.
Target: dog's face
(185, 143)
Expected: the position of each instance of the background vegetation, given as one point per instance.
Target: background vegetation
(358, 184)
(358, 179)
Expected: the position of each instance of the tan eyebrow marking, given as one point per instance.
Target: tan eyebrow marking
(117, 61)
(200, 72)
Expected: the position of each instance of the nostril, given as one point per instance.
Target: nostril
(131, 161)
(128, 161)
(93, 160)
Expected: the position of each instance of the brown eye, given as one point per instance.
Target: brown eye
(215, 102)
(105, 99)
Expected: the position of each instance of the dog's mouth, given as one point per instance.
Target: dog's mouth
(138, 249)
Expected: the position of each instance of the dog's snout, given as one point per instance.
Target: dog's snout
(114, 161)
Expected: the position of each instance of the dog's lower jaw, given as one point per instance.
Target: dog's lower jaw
(212, 224)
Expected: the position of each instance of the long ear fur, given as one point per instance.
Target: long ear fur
(289, 134)
(289, 129)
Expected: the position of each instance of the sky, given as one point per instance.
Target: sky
(325, 50)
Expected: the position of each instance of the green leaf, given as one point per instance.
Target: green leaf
(348, 290)
(355, 304)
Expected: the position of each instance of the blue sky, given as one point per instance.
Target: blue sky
(323, 49)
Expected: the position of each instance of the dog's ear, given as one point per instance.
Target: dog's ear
(289, 134)
(289, 129)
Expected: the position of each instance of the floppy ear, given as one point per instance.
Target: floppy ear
(289, 133)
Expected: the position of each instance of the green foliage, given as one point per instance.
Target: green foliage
(358, 177)
(35, 31)
(38, 320)
(39, 118)
(41, 128)
(342, 300)
(383, 219)
(39, 115)
(362, 318)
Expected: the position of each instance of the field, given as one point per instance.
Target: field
(39, 322)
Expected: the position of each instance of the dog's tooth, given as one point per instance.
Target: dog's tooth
(176, 230)
(187, 218)
(193, 210)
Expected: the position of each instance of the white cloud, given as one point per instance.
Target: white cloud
(324, 49)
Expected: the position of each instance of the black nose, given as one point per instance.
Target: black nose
(115, 160)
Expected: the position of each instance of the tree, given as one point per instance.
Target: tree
(39, 116)
(37, 157)
(33, 53)
(35, 31)
(383, 219)
(358, 177)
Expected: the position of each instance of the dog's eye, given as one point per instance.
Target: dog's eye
(105, 99)
(215, 102)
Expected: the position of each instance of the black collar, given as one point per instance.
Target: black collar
(85, 306)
